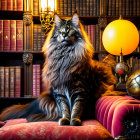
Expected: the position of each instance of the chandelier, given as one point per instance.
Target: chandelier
(48, 8)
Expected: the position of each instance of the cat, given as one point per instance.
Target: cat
(73, 79)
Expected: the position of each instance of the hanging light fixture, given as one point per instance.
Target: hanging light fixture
(48, 8)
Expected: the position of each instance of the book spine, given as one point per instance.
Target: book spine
(94, 8)
(89, 31)
(34, 82)
(74, 7)
(131, 7)
(134, 7)
(138, 7)
(113, 8)
(38, 79)
(35, 38)
(97, 37)
(13, 35)
(6, 81)
(98, 7)
(110, 9)
(127, 8)
(19, 5)
(6, 35)
(88, 6)
(43, 37)
(1, 35)
(94, 39)
(10, 5)
(84, 7)
(19, 35)
(117, 7)
(12, 81)
(3, 4)
(123, 7)
(17, 81)
(39, 40)
(0, 4)
(2, 81)
(66, 7)
(14, 5)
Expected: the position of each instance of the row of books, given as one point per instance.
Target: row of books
(123, 7)
(11, 5)
(95, 36)
(36, 80)
(10, 81)
(38, 37)
(84, 7)
(11, 35)
(68, 7)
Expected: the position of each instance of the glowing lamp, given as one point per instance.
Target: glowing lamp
(120, 35)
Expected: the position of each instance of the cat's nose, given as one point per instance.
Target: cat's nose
(64, 34)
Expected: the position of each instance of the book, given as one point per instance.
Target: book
(39, 38)
(35, 37)
(38, 74)
(19, 5)
(1, 35)
(66, 7)
(3, 5)
(34, 81)
(10, 5)
(11, 81)
(1, 81)
(6, 35)
(17, 81)
(13, 35)
(19, 35)
(14, 5)
(6, 81)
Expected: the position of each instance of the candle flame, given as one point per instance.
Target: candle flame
(51, 5)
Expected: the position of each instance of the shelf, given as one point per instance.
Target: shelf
(11, 15)
(86, 19)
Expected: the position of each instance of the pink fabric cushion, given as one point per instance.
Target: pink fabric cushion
(111, 110)
(18, 129)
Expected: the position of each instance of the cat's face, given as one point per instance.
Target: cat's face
(67, 32)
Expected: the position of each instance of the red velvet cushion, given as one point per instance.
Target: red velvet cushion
(111, 110)
(89, 130)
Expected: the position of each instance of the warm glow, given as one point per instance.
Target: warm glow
(51, 5)
(120, 34)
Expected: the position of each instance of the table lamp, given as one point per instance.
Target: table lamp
(120, 37)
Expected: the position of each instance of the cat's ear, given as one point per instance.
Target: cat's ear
(57, 20)
(75, 19)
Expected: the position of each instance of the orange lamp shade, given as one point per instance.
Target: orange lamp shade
(120, 35)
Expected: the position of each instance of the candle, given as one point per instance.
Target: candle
(27, 5)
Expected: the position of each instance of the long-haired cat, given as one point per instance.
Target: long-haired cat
(73, 79)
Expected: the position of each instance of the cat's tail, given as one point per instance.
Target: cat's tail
(42, 109)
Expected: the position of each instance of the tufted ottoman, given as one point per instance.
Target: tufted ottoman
(19, 129)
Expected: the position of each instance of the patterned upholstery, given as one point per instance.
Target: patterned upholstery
(19, 129)
(112, 112)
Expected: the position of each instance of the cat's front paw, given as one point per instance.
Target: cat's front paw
(64, 121)
(75, 122)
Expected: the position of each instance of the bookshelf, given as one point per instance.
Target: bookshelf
(97, 13)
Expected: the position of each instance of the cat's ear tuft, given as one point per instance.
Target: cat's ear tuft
(75, 19)
(57, 20)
